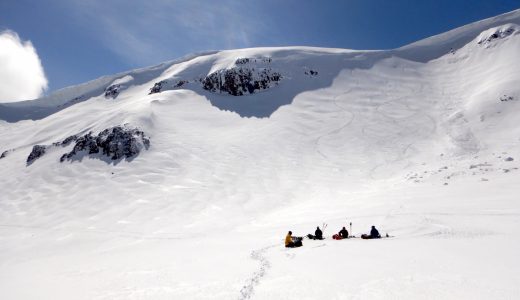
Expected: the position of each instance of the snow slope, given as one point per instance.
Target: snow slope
(422, 141)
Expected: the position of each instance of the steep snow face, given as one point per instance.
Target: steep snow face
(237, 147)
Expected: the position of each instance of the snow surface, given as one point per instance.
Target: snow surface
(422, 141)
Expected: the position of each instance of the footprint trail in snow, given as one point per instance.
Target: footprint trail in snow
(247, 290)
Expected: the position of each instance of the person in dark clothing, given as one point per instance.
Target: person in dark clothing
(343, 233)
(318, 234)
(374, 234)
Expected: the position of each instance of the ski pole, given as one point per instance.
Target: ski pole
(351, 233)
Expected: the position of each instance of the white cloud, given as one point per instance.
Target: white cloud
(21, 72)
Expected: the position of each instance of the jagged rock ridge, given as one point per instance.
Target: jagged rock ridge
(240, 81)
(114, 143)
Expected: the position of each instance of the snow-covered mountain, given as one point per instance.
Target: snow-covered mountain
(179, 181)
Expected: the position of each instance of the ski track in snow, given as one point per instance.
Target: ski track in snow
(402, 154)
(336, 130)
(247, 290)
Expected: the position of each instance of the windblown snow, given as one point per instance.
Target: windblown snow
(186, 176)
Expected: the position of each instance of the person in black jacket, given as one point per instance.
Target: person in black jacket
(318, 234)
(374, 234)
(343, 233)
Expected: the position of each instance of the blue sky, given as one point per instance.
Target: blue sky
(80, 40)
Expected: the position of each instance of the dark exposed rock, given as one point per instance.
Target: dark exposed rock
(112, 91)
(37, 152)
(180, 83)
(499, 34)
(506, 98)
(157, 87)
(69, 140)
(85, 143)
(66, 141)
(115, 143)
(242, 61)
(164, 84)
(247, 60)
(237, 81)
(311, 73)
(4, 154)
(509, 159)
(240, 81)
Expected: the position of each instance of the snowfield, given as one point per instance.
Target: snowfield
(422, 141)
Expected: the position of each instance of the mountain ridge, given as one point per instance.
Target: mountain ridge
(475, 29)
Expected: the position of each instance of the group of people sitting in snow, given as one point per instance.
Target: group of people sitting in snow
(295, 241)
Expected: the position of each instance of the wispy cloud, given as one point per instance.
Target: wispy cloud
(21, 72)
(156, 30)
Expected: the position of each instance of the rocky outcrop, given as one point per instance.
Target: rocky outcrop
(247, 60)
(112, 91)
(37, 152)
(66, 141)
(497, 34)
(250, 75)
(240, 81)
(180, 83)
(114, 143)
(157, 87)
(165, 84)
(5, 153)
(311, 73)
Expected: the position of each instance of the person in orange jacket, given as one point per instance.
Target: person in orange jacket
(290, 243)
